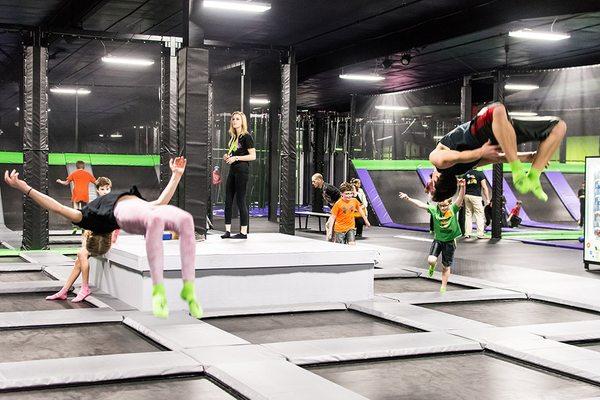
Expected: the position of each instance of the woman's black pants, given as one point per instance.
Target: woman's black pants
(236, 187)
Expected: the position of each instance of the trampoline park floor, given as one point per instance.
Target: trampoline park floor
(306, 326)
(41, 343)
(399, 285)
(453, 376)
(166, 388)
(513, 312)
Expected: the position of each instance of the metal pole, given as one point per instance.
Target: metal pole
(76, 121)
(497, 192)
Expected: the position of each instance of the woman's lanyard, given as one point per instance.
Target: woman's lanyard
(233, 145)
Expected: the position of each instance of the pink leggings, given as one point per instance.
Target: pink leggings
(142, 218)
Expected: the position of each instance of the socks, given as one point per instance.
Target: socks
(431, 270)
(188, 294)
(239, 236)
(159, 301)
(83, 293)
(522, 184)
(60, 295)
(536, 187)
(226, 235)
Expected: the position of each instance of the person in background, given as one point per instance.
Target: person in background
(362, 198)
(80, 195)
(476, 196)
(581, 195)
(330, 193)
(513, 217)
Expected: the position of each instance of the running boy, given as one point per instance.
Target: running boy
(103, 186)
(342, 215)
(81, 178)
(446, 229)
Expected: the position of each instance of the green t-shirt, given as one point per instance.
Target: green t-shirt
(445, 226)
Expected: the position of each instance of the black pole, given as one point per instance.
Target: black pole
(318, 159)
(34, 128)
(498, 176)
(273, 145)
(289, 82)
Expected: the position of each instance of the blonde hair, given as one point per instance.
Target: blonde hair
(232, 131)
(98, 244)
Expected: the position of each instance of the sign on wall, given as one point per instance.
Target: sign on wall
(591, 250)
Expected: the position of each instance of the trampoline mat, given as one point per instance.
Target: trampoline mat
(72, 341)
(170, 388)
(37, 302)
(401, 285)
(575, 181)
(454, 376)
(23, 276)
(306, 326)
(389, 183)
(514, 312)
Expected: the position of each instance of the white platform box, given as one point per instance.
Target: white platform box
(267, 269)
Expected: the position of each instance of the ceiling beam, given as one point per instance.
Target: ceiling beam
(72, 14)
(438, 28)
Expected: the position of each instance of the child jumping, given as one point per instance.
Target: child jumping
(342, 215)
(103, 187)
(80, 195)
(129, 211)
(446, 229)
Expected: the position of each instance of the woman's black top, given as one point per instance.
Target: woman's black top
(244, 142)
(98, 215)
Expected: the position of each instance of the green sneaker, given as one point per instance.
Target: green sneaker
(536, 187)
(188, 294)
(442, 290)
(431, 271)
(159, 301)
(520, 181)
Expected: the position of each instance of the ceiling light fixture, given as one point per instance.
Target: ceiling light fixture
(116, 135)
(245, 6)
(391, 108)
(520, 86)
(141, 62)
(359, 77)
(70, 91)
(405, 59)
(384, 138)
(522, 114)
(259, 101)
(529, 34)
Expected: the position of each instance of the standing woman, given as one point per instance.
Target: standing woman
(240, 152)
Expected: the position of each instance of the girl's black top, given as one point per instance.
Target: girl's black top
(98, 215)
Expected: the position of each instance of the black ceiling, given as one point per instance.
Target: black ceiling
(446, 38)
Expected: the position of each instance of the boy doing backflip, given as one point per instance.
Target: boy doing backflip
(492, 137)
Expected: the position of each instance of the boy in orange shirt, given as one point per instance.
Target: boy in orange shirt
(342, 215)
(80, 178)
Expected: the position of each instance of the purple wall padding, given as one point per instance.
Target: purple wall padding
(511, 200)
(565, 193)
(424, 174)
(374, 199)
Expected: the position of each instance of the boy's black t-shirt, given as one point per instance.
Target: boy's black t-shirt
(98, 216)
(473, 179)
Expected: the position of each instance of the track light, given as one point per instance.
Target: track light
(70, 91)
(127, 61)
(529, 34)
(519, 86)
(405, 59)
(359, 77)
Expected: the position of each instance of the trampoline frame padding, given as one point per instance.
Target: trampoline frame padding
(414, 316)
(216, 355)
(455, 296)
(370, 347)
(180, 331)
(255, 380)
(65, 371)
(25, 319)
(566, 331)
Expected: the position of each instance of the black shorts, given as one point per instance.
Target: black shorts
(527, 129)
(447, 250)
